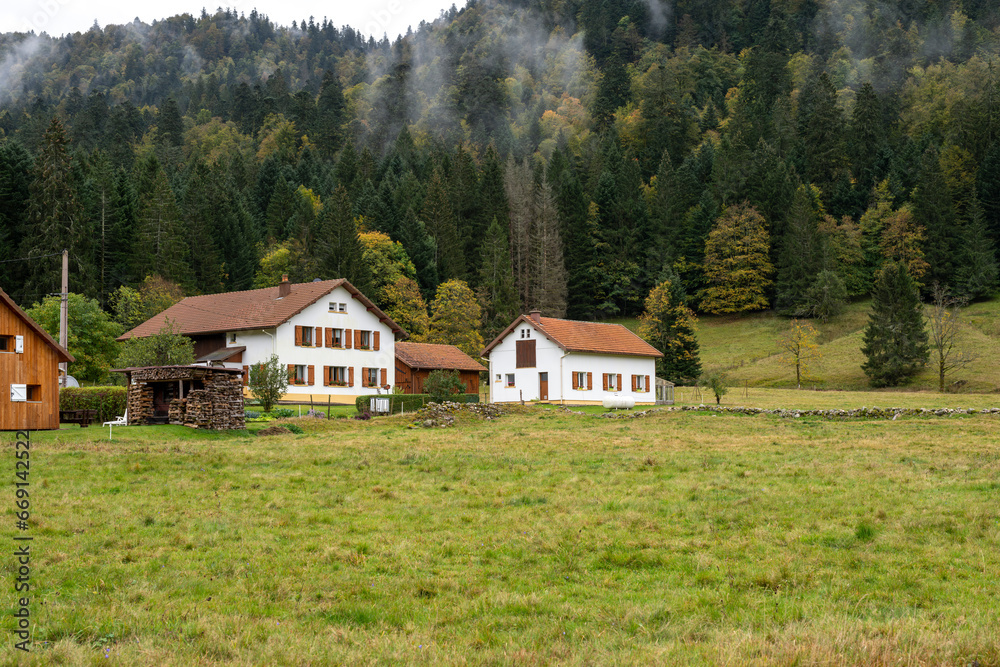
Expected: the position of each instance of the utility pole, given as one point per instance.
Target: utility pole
(64, 317)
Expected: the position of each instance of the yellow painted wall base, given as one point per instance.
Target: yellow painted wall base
(318, 399)
(570, 403)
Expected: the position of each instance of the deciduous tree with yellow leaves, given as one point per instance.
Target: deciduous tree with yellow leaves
(737, 266)
(799, 347)
(455, 318)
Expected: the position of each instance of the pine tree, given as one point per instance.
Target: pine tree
(497, 295)
(669, 325)
(547, 279)
(339, 252)
(16, 169)
(160, 239)
(866, 138)
(801, 253)
(895, 340)
(978, 271)
(421, 248)
(439, 218)
(54, 216)
(934, 210)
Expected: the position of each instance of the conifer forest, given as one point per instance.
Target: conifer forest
(560, 155)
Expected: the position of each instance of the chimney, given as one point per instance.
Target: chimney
(285, 288)
(536, 315)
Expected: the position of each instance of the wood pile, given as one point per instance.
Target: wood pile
(139, 403)
(217, 403)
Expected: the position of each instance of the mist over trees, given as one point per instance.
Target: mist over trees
(561, 156)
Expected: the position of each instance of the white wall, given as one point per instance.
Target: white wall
(260, 346)
(550, 358)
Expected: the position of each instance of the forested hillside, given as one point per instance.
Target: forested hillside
(565, 155)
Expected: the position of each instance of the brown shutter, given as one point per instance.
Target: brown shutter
(604, 381)
(647, 383)
(326, 376)
(246, 375)
(329, 337)
(347, 338)
(633, 382)
(375, 344)
(291, 373)
(590, 380)
(312, 375)
(298, 336)
(385, 372)
(619, 382)
(357, 339)
(318, 337)
(350, 376)
(576, 383)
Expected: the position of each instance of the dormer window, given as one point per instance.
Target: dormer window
(337, 307)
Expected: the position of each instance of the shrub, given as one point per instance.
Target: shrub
(110, 402)
(250, 415)
(282, 413)
(409, 402)
(442, 385)
(295, 428)
(267, 382)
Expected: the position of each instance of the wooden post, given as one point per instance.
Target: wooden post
(329, 398)
(64, 317)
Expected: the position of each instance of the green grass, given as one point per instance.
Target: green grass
(544, 537)
(745, 349)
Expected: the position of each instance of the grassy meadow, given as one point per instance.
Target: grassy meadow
(543, 537)
(745, 348)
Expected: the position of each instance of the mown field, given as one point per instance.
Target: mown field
(745, 348)
(542, 538)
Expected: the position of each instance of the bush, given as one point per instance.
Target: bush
(409, 402)
(442, 385)
(282, 413)
(250, 415)
(295, 428)
(110, 402)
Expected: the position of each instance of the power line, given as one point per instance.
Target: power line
(25, 259)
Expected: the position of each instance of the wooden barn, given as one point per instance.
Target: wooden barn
(415, 361)
(29, 371)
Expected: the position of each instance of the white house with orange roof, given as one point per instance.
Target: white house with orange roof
(547, 359)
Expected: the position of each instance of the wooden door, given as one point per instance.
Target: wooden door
(543, 386)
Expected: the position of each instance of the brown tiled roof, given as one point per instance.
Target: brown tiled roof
(590, 337)
(252, 309)
(34, 326)
(432, 356)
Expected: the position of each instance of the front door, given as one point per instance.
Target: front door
(543, 386)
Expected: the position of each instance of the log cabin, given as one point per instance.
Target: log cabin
(415, 361)
(29, 371)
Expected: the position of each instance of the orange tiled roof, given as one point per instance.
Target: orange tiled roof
(251, 309)
(589, 337)
(432, 356)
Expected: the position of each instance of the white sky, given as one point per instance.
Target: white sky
(371, 17)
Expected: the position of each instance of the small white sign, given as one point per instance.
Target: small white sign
(18, 393)
(19, 344)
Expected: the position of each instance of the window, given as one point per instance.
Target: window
(510, 379)
(336, 307)
(338, 338)
(579, 380)
(307, 336)
(640, 383)
(364, 341)
(498, 377)
(300, 374)
(338, 375)
(232, 338)
(12, 344)
(25, 393)
(612, 382)
(525, 354)
(370, 377)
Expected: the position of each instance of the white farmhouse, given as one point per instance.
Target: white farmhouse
(334, 341)
(548, 359)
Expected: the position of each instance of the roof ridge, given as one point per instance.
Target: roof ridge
(259, 289)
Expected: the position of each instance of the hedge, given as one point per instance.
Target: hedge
(109, 402)
(408, 402)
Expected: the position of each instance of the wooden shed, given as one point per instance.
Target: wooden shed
(207, 397)
(415, 361)
(29, 371)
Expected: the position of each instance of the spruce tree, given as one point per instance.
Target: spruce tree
(934, 209)
(895, 340)
(496, 282)
(801, 253)
(339, 250)
(668, 325)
